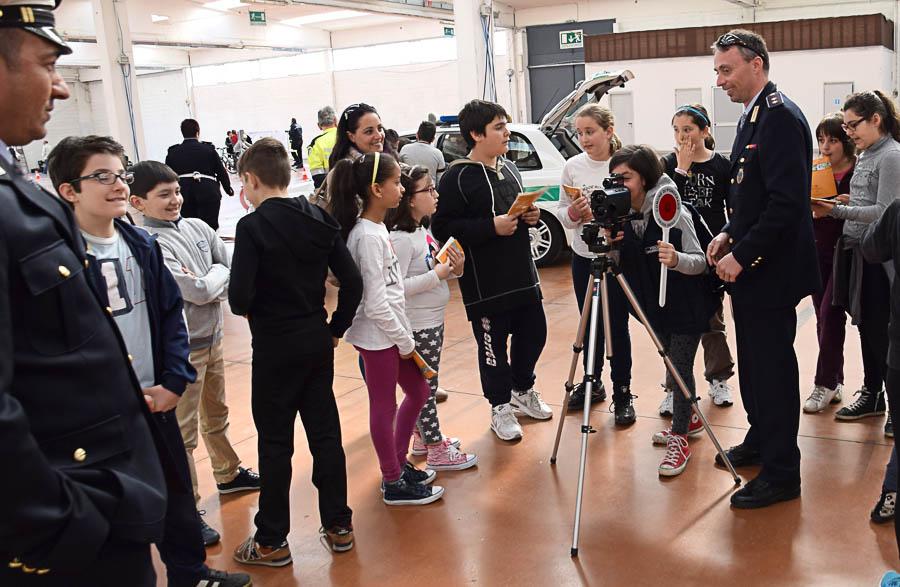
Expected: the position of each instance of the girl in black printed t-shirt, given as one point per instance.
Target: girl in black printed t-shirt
(702, 178)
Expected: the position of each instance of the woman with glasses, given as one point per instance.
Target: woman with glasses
(702, 176)
(862, 288)
(427, 294)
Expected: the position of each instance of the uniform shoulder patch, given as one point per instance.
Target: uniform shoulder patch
(775, 99)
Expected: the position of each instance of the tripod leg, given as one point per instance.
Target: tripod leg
(589, 381)
(675, 374)
(576, 351)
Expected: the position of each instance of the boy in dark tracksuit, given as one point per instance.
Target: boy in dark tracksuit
(881, 243)
(500, 286)
(127, 267)
(282, 255)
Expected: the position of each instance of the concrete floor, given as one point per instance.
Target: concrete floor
(509, 520)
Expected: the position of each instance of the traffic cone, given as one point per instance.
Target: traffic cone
(304, 174)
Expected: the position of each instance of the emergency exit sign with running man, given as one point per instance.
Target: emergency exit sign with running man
(571, 39)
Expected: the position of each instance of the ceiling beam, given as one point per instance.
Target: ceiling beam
(418, 8)
(745, 3)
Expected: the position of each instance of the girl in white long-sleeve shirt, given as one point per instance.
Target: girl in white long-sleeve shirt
(380, 331)
(427, 294)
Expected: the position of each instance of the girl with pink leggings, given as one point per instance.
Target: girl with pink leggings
(380, 331)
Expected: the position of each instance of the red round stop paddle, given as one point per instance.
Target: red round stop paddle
(666, 211)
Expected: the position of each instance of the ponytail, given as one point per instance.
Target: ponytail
(349, 186)
(615, 143)
(868, 104)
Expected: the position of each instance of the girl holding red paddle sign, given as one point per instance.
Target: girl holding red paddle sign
(689, 301)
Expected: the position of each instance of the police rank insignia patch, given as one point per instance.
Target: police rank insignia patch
(740, 175)
(775, 99)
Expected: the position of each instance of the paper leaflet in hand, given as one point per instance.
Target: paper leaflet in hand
(823, 184)
(443, 255)
(573, 192)
(424, 367)
(524, 202)
(666, 211)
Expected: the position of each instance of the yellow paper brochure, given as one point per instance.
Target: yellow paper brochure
(524, 201)
(443, 255)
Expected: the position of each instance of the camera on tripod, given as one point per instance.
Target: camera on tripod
(611, 208)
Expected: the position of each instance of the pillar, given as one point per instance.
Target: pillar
(470, 49)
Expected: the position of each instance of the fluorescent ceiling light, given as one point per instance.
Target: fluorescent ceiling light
(224, 4)
(324, 17)
(158, 18)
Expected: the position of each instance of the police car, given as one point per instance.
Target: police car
(540, 151)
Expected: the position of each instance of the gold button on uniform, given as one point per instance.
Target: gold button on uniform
(15, 563)
(85, 263)
(742, 160)
(109, 310)
(64, 271)
(27, 569)
(732, 180)
(131, 357)
(79, 455)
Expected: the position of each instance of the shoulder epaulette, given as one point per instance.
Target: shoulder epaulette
(775, 99)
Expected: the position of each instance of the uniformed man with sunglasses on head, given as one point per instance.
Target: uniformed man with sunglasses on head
(84, 494)
(767, 255)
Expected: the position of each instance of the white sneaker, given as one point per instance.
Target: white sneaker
(504, 423)
(720, 392)
(820, 397)
(667, 405)
(530, 403)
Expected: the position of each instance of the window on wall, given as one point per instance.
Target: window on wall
(405, 53)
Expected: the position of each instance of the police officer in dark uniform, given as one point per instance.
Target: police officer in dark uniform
(767, 254)
(200, 171)
(85, 492)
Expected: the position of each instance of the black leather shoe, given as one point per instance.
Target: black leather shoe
(623, 407)
(576, 399)
(759, 493)
(210, 536)
(740, 456)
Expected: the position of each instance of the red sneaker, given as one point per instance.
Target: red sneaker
(694, 428)
(677, 455)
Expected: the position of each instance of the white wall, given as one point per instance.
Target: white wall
(799, 74)
(164, 104)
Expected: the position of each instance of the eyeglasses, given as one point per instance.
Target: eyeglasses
(851, 126)
(430, 189)
(107, 177)
(730, 40)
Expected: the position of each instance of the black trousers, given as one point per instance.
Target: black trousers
(873, 326)
(182, 548)
(283, 385)
(118, 563)
(202, 200)
(892, 385)
(525, 329)
(770, 387)
(620, 364)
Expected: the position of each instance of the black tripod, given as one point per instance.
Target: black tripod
(597, 292)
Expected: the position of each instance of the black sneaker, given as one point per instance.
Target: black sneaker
(889, 427)
(210, 536)
(246, 480)
(214, 578)
(412, 475)
(401, 492)
(623, 406)
(866, 405)
(576, 399)
(884, 509)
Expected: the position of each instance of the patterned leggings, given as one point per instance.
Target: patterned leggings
(429, 343)
(682, 349)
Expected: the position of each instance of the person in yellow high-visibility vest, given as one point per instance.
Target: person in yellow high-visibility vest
(320, 148)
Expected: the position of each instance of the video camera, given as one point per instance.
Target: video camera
(611, 207)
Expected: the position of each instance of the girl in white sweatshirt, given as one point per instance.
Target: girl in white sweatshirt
(380, 330)
(427, 294)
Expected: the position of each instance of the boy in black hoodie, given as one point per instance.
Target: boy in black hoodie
(282, 255)
(500, 285)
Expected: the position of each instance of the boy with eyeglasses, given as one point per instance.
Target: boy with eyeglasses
(141, 295)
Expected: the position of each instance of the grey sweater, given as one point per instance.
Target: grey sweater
(875, 184)
(199, 261)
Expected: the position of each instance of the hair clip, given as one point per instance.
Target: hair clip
(375, 167)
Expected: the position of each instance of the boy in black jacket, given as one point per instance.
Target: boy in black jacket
(500, 286)
(282, 255)
(881, 243)
(139, 292)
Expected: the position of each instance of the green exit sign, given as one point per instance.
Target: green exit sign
(448, 31)
(571, 39)
(258, 17)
